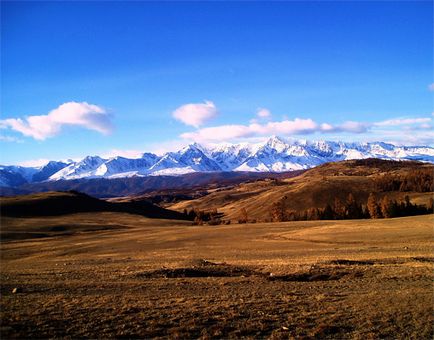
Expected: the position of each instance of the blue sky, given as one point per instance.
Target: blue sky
(108, 77)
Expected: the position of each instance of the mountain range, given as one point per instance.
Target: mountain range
(276, 154)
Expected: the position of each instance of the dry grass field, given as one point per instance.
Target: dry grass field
(105, 275)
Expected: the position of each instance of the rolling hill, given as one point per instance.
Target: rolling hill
(315, 188)
(71, 202)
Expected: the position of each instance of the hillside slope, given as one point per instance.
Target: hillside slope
(104, 187)
(313, 189)
(61, 203)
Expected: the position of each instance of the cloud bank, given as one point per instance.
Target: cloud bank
(262, 125)
(41, 127)
(298, 126)
(403, 121)
(195, 114)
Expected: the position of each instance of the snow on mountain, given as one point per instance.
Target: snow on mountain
(47, 170)
(25, 172)
(190, 158)
(86, 168)
(120, 165)
(276, 154)
(231, 156)
(12, 175)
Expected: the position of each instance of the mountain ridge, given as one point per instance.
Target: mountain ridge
(276, 154)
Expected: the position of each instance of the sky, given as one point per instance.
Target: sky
(121, 78)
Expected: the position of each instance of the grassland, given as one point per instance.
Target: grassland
(313, 189)
(138, 277)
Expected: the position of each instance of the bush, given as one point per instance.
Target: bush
(214, 221)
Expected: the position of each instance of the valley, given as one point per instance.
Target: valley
(138, 266)
(216, 170)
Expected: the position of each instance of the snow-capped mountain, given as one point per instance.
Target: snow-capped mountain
(274, 155)
(47, 170)
(125, 167)
(15, 175)
(87, 167)
(189, 159)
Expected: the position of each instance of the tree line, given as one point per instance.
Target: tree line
(351, 209)
(201, 217)
(417, 180)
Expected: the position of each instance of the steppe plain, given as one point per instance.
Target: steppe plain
(118, 275)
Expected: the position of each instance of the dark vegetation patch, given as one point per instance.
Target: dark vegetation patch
(71, 202)
(325, 331)
(385, 261)
(204, 268)
(424, 259)
(384, 164)
(352, 262)
(15, 236)
(161, 197)
(317, 274)
(201, 268)
(52, 231)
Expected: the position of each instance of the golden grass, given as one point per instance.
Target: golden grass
(338, 279)
(313, 189)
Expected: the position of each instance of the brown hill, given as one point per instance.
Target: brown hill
(313, 189)
(70, 202)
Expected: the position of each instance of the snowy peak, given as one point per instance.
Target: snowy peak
(276, 154)
(277, 144)
(86, 168)
(189, 159)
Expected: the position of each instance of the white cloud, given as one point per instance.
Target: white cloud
(424, 126)
(41, 127)
(431, 87)
(403, 121)
(404, 137)
(326, 127)
(219, 133)
(286, 127)
(297, 126)
(34, 162)
(353, 127)
(195, 114)
(263, 113)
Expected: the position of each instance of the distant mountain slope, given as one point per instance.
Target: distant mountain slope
(312, 189)
(15, 175)
(104, 187)
(61, 203)
(274, 155)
